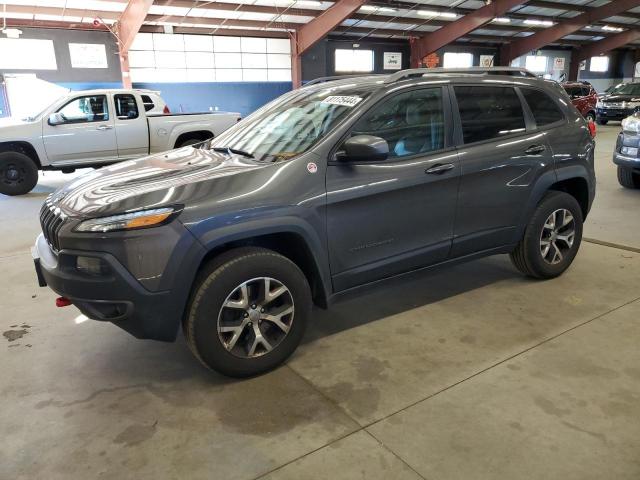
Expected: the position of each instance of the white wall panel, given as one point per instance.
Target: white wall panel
(201, 75)
(255, 75)
(226, 44)
(253, 45)
(279, 75)
(170, 42)
(278, 61)
(141, 59)
(229, 75)
(228, 60)
(199, 59)
(170, 60)
(198, 43)
(143, 41)
(254, 60)
(278, 45)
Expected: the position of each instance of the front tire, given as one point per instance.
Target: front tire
(551, 239)
(600, 121)
(627, 178)
(18, 173)
(248, 311)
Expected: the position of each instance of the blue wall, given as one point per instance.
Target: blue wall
(243, 97)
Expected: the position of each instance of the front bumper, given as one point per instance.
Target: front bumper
(627, 139)
(626, 161)
(116, 296)
(613, 113)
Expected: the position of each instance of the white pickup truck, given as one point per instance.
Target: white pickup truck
(93, 128)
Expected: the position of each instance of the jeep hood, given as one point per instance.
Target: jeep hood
(176, 177)
(619, 98)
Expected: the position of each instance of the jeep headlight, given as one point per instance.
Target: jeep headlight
(128, 221)
(631, 124)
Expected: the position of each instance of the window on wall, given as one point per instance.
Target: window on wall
(457, 60)
(171, 58)
(536, 63)
(27, 54)
(599, 64)
(353, 60)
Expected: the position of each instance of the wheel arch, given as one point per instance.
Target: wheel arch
(289, 243)
(196, 134)
(22, 147)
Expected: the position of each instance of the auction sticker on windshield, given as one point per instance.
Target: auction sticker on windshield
(343, 100)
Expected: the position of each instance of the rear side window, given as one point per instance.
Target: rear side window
(543, 108)
(126, 107)
(147, 102)
(488, 112)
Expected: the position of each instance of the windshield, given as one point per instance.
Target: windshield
(293, 123)
(628, 89)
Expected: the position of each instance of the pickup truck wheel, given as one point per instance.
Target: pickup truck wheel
(551, 239)
(627, 178)
(18, 173)
(248, 312)
(599, 121)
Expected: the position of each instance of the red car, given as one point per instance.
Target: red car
(584, 97)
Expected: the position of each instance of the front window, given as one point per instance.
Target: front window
(291, 125)
(353, 60)
(599, 64)
(86, 109)
(536, 63)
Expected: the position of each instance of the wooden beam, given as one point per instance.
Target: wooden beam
(127, 28)
(599, 48)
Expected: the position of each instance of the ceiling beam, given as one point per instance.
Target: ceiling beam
(433, 41)
(127, 27)
(599, 48)
(565, 27)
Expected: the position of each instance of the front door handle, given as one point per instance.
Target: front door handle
(104, 127)
(439, 169)
(535, 149)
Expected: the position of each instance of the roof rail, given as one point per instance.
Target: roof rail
(419, 72)
(338, 77)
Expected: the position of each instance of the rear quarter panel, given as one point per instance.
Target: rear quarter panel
(164, 130)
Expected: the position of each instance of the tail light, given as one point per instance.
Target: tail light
(166, 110)
(592, 128)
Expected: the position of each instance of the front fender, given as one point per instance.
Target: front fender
(236, 227)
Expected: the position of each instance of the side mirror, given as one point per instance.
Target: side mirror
(363, 148)
(56, 119)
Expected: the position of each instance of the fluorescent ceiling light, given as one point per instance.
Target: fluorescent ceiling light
(386, 9)
(308, 3)
(502, 20)
(609, 28)
(539, 23)
(432, 13)
(368, 8)
(12, 32)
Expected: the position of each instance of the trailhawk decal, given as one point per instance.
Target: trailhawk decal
(344, 101)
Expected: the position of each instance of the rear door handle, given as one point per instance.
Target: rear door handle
(439, 169)
(535, 149)
(104, 127)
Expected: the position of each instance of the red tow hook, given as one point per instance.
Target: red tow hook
(62, 302)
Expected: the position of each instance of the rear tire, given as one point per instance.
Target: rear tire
(601, 122)
(627, 178)
(551, 239)
(232, 326)
(189, 142)
(18, 173)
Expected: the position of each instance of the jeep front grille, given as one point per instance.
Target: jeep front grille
(51, 220)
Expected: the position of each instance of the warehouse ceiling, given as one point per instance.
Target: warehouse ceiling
(378, 19)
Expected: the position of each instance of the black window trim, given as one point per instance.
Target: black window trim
(115, 108)
(458, 137)
(108, 119)
(447, 108)
(563, 110)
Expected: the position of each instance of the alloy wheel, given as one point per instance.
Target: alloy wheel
(255, 317)
(558, 234)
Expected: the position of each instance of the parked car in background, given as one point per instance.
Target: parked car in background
(584, 98)
(330, 187)
(95, 128)
(626, 155)
(619, 104)
(610, 89)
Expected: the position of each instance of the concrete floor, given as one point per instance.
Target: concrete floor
(470, 373)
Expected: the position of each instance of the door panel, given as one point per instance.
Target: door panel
(392, 216)
(132, 129)
(499, 162)
(88, 135)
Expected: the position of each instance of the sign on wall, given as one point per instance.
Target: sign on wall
(392, 61)
(27, 54)
(558, 63)
(486, 61)
(88, 55)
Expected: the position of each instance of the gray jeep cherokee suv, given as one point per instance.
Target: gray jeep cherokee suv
(327, 188)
